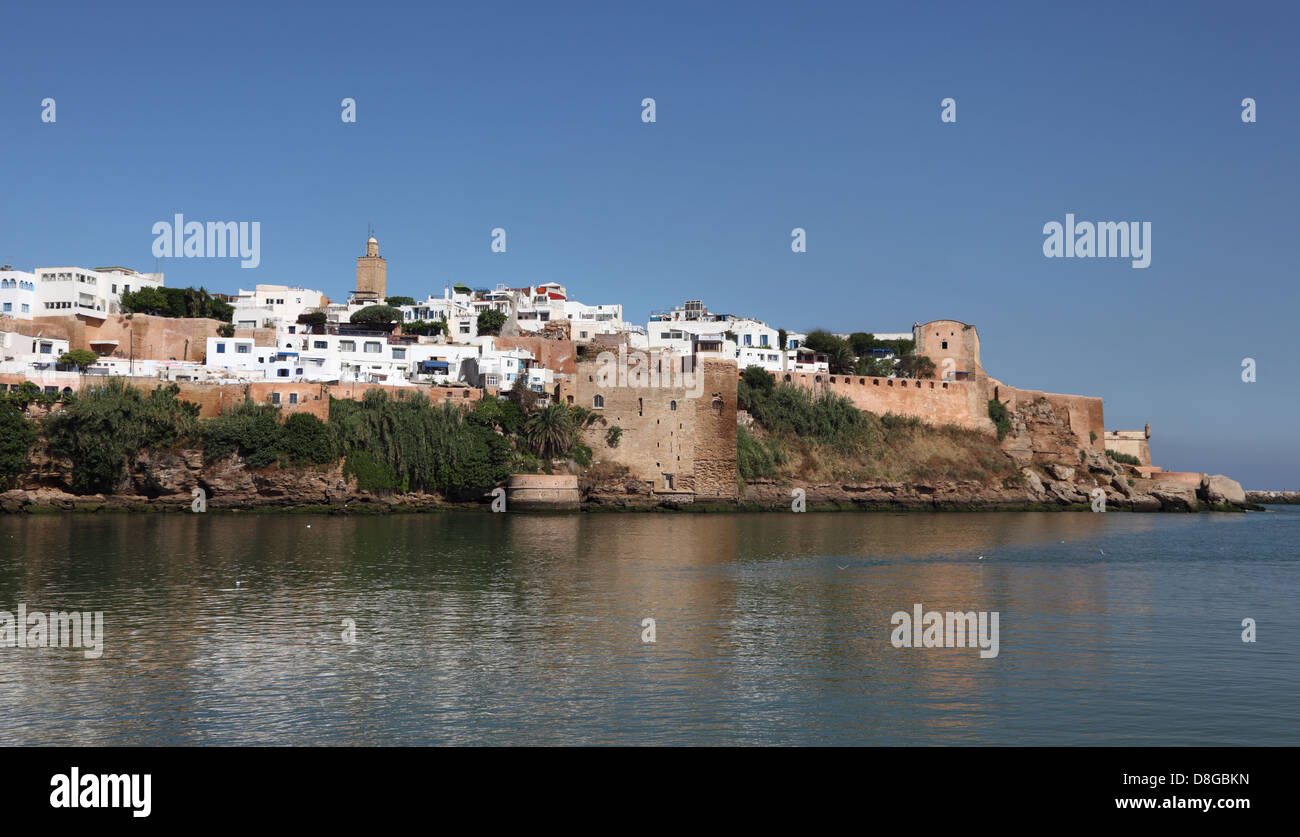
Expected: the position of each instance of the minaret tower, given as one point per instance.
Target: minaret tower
(372, 273)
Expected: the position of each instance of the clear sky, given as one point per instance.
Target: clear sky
(769, 116)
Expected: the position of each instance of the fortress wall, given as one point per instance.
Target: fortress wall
(157, 338)
(933, 401)
(213, 398)
(686, 432)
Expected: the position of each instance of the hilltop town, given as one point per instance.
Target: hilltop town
(693, 407)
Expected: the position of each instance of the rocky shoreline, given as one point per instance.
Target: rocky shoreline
(161, 481)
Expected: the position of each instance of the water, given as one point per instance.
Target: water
(771, 629)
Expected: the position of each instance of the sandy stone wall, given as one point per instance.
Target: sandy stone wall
(933, 401)
(560, 355)
(156, 338)
(674, 438)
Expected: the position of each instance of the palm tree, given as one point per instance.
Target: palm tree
(550, 431)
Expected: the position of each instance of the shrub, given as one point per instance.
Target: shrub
(105, 426)
(1001, 418)
(753, 460)
(421, 446)
(613, 435)
(490, 321)
(16, 437)
(305, 438)
(1124, 458)
(252, 430)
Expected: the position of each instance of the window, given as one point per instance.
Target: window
(672, 405)
(945, 344)
(275, 398)
(598, 402)
(399, 354)
(47, 348)
(293, 398)
(243, 349)
(319, 344)
(9, 306)
(221, 348)
(26, 308)
(347, 345)
(373, 347)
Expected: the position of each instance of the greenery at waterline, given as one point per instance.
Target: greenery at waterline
(799, 435)
(387, 444)
(16, 437)
(104, 426)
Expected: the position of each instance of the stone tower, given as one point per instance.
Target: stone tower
(372, 273)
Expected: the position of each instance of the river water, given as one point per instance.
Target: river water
(477, 628)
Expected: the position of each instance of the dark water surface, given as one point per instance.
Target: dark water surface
(771, 629)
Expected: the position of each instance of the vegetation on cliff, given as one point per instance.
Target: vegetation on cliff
(16, 437)
(824, 437)
(100, 429)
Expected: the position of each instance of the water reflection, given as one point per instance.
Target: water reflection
(771, 628)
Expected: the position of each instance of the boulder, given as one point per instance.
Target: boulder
(1120, 484)
(1033, 484)
(1176, 497)
(1218, 490)
(1061, 472)
(1067, 493)
(1099, 463)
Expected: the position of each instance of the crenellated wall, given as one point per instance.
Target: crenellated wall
(933, 401)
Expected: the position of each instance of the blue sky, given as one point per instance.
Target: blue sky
(769, 117)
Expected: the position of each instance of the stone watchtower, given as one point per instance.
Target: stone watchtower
(372, 273)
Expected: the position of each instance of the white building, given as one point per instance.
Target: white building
(18, 294)
(55, 291)
(586, 321)
(21, 353)
(278, 305)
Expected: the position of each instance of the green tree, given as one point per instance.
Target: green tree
(176, 302)
(862, 342)
(490, 321)
(314, 320)
(80, 358)
(916, 366)
(398, 301)
(550, 432)
(16, 437)
(378, 316)
(102, 429)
